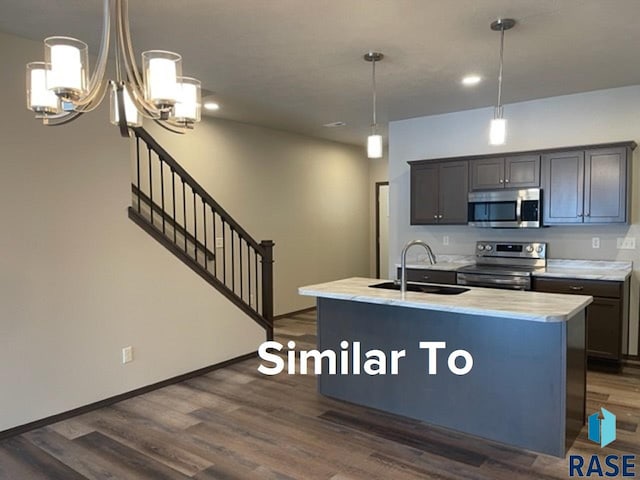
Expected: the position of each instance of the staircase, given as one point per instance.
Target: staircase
(175, 210)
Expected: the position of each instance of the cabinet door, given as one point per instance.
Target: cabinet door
(563, 187)
(605, 192)
(487, 174)
(522, 171)
(454, 189)
(604, 328)
(424, 194)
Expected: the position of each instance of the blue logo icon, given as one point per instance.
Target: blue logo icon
(602, 430)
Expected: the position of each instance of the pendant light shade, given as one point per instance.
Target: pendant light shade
(374, 140)
(187, 108)
(161, 72)
(69, 64)
(374, 146)
(131, 113)
(498, 131)
(40, 99)
(498, 127)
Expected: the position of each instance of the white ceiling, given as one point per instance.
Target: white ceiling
(297, 64)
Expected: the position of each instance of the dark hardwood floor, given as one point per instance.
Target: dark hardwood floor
(235, 423)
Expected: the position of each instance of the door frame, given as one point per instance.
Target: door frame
(377, 209)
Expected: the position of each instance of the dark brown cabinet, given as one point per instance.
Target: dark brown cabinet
(586, 186)
(606, 316)
(439, 193)
(518, 171)
(424, 275)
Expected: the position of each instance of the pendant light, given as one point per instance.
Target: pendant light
(374, 140)
(498, 130)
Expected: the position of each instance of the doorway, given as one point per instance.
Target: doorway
(382, 230)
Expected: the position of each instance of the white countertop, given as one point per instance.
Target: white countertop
(521, 305)
(556, 268)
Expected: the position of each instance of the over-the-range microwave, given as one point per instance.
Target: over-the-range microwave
(506, 208)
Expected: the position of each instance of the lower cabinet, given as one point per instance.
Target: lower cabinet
(430, 276)
(606, 316)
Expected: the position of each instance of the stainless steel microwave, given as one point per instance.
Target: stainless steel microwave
(506, 208)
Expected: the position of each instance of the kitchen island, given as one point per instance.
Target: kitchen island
(527, 383)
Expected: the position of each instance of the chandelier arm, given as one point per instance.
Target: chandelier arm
(61, 119)
(97, 83)
(134, 81)
(167, 126)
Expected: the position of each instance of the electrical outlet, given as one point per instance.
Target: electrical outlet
(445, 240)
(127, 354)
(595, 242)
(627, 243)
(219, 242)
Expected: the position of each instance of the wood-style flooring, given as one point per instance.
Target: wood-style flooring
(236, 423)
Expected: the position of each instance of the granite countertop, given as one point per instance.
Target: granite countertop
(521, 305)
(556, 268)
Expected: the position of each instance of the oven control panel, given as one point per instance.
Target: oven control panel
(537, 250)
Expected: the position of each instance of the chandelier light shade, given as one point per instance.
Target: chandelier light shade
(498, 127)
(69, 63)
(187, 108)
(374, 140)
(161, 72)
(40, 99)
(62, 88)
(131, 113)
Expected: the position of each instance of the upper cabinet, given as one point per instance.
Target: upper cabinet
(518, 171)
(439, 193)
(587, 186)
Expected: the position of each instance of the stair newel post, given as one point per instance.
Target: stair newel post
(267, 284)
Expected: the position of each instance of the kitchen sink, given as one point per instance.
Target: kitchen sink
(417, 287)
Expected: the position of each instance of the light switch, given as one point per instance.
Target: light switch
(595, 242)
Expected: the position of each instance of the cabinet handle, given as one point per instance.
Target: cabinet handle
(588, 214)
(425, 277)
(501, 181)
(435, 216)
(575, 288)
(440, 216)
(580, 215)
(506, 180)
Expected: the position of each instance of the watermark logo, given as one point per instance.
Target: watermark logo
(602, 430)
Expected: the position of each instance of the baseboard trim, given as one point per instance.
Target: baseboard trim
(291, 314)
(20, 429)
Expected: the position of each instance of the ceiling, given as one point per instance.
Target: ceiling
(297, 64)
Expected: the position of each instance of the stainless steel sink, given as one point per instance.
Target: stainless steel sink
(417, 287)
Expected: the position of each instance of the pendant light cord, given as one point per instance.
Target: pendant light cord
(498, 112)
(374, 95)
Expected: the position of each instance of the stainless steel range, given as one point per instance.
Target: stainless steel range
(504, 265)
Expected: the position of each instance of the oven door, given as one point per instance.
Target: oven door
(511, 282)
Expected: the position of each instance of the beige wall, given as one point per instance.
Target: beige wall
(79, 280)
(309, 196)
(581, 119)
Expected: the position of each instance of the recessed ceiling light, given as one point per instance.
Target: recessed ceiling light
(470, 80)
(211, 106)
(334, 124)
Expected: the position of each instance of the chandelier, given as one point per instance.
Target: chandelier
(60, 89)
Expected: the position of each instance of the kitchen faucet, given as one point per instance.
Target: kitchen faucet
(403, 261)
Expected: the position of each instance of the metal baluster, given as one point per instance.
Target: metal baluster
(184, 215)
(215, 247)
(173, 194)
(150, 185)
(257, 276)
(233, 262)
(204, 216)
(249, 270)
(224, 254)
(138, 169)
(162, 192)
(241, 272)
(195, 227)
